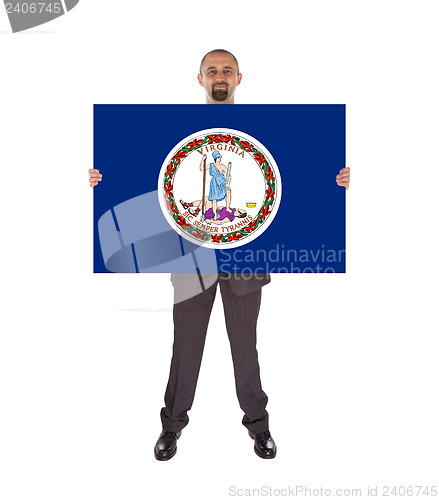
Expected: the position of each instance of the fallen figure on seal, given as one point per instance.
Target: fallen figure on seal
(223, 215)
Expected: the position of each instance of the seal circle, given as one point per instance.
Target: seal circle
(186, 175)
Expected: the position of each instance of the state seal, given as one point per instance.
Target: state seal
(219, 188)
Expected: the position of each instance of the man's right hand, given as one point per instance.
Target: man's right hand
(95, 177)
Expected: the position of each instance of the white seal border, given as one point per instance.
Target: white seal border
(219, 130)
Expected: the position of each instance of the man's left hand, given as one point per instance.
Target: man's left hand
(344, 177)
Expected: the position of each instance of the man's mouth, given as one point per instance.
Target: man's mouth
(220, 86)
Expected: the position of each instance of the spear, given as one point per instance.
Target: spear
(204, 187)
(202, 199)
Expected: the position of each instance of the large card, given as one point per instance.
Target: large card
(240, 188)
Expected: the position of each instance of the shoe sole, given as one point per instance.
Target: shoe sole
(163, 459)
(259, 454)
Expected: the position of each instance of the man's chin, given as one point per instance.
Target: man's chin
(220, 95)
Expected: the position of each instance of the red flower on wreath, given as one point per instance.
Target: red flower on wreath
(174, 209)
(168, 189)
(198, 234)
(246, 145)
(226, 138)
(214, 138)
(269, 193)
(216, 238)
(234, 236)
(171, 207)
(180, 156)
(259, 157)
(170, 170)
(195, 143)
(269, 174)
(252, 225)
(181, 222)
(265, 211)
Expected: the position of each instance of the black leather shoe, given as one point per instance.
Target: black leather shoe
(265, 447)
(166, 446)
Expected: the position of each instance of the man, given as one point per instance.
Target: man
(241, 295)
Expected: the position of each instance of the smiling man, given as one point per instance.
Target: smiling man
(241, 296)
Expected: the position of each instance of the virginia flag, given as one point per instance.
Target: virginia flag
(229, 189)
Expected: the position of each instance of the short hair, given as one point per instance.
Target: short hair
(218, 51)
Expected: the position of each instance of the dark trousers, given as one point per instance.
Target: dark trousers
(191, 318)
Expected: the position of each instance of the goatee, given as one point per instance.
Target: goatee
(220, 94)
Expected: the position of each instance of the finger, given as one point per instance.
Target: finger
(345, 184)
(93, 184)
(346, 169)
(343, 176)
(95, 176)
(93, 170)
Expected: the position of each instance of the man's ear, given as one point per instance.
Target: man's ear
(200, 80)
(239, 79)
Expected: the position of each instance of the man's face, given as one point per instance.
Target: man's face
(219, 78)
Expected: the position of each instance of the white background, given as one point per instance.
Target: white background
(349, 362)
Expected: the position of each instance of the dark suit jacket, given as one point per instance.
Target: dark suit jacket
(242, 284)
(188, 284)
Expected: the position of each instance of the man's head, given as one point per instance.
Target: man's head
(240, 213)
(219, 75)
